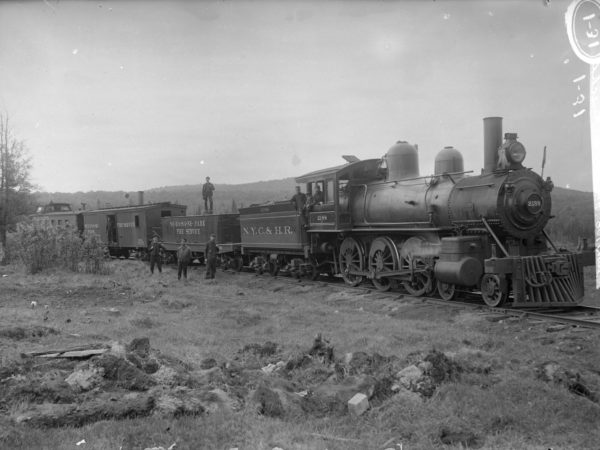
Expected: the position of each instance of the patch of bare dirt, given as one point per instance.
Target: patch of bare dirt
(136, 380)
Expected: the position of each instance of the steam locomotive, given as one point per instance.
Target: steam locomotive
(448, 231)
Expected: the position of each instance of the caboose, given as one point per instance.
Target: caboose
(59, 215)
(449, 231)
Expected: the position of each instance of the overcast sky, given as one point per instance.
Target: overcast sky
(119, 95)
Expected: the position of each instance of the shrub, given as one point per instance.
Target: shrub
(39, 247)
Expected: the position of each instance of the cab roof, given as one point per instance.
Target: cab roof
(367, 169)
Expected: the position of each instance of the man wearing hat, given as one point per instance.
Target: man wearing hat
(210, 254)
(184, 257)
(207, 194)
(154, 250)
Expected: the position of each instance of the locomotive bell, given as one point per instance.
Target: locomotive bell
(402, 161)
(448, 160)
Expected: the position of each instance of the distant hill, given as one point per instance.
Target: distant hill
(573, 210)
(227, 197)
(573, 213)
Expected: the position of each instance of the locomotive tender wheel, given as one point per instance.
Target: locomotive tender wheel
(238, 264)
(383, 257)
(274, 268)
(351, 258)
(447, 290)
(313, 272)
(494, 289)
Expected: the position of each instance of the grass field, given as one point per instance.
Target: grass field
(494, 394)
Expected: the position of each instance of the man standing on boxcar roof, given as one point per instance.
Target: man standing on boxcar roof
(210, 253)
(207, 195)
(155, 256)
(184, 257)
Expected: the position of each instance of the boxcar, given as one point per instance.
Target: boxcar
(129, 228)
(197, 230)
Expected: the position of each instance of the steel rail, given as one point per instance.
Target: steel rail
(476, 305)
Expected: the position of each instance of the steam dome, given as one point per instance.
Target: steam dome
(402, 161)
(448, 160)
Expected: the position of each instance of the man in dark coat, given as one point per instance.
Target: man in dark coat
(318, 195)
(210, 253)
(184, 257)
(299, 199)
(155, 256)
(207, 195)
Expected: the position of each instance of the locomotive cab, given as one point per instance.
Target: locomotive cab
(333, 214)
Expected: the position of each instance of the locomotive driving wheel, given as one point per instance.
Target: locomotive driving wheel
(494, 289)
(351, 258)
(447, 290)
(383, 257)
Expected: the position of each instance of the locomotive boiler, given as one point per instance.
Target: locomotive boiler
(448, 231)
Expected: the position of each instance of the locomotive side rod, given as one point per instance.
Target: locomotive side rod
(391, 274)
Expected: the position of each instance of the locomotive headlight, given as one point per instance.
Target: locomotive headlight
(515, 152)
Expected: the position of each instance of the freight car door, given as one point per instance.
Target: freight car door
(111, 229)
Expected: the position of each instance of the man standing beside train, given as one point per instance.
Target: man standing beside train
(155, 255)
(184, 257)
(207, 195)
(210, 253)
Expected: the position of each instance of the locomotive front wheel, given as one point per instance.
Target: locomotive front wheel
(447, 290)
(351, 258)
(494, 289)
(419, 285)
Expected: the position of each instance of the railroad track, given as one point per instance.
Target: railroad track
(582, 316)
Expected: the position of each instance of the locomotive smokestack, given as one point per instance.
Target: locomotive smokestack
(492, 140)
(140, 197)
